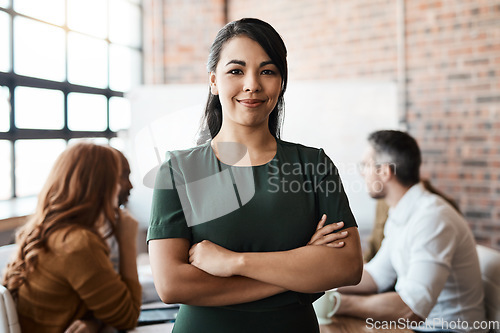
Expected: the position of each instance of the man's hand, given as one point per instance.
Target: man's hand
(326, 235)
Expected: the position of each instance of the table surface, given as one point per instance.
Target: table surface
(340, 324)
(344, 324)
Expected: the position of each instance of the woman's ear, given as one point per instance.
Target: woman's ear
(213, 83)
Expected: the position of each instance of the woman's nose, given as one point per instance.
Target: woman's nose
(252, 83)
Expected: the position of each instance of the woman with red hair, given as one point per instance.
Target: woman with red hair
(62, 276)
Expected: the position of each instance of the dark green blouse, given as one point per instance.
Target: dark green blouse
(270, 207)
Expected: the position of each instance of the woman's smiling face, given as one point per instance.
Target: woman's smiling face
(247, 81)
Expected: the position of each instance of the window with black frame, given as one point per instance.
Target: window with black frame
(64, 68)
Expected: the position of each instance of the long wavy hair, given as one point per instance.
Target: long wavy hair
(78, 193)
(269, 39)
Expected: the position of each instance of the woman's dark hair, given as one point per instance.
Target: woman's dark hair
(269, 39)
(401, 151)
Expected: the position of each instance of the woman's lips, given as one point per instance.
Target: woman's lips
(251, 103)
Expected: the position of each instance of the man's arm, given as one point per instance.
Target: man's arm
(430, 256)
(363, 302)
(384, 306)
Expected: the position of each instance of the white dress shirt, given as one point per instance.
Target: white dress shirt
(429, 253)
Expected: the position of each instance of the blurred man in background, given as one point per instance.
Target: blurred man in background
(428, 254)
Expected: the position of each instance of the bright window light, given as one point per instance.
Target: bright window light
(87, 61)
(124, 23)
(118, 143)
(124, 68)
(88, 16)
(99, 141)
(64, 68)
(4, 41)
(87, 112)
(51, 11)
(5, 170)
(4, 109)
(4, 3)
(38, 49)
(39, 108)
(34, 159)
(119, 113)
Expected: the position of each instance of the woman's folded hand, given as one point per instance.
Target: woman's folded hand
(213, 259)
(218, 261)
(325, 235)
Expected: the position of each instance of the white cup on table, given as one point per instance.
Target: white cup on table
(326, 306)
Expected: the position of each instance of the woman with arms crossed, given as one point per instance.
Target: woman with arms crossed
(62, 275)
(258, 260)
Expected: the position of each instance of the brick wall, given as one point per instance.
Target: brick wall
(452, 73)
(178, 35)
(331, 39)
(453, 67)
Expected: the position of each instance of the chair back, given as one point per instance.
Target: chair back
(489, 261)
(9, 322)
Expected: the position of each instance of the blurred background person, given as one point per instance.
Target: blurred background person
(123, 195)
(382, 213)
(62, 275)
(428, 252)
(125, 183)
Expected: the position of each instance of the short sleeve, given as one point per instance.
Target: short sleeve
(332, 199)
(167, 216)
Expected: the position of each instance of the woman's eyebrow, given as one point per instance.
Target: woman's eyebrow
(268, 62)
(243, 63)
(237, 62)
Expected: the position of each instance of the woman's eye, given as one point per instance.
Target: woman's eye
(235, 71)
(267, 72)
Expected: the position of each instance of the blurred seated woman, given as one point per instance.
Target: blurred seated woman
(62, 276)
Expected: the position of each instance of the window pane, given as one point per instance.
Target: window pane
(118, 143)
(4, 42)
(4, 109)
(124, 68)
(39, 49)
(124, 23)
(48, 10)
(99, 141)
(5, 169)
(88, 16)
(87, 112)
(119, 113)
(34, 159)
(87, 61)
(39, 108)
(4, 3)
